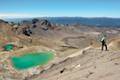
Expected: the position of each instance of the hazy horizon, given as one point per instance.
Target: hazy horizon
(57, 17)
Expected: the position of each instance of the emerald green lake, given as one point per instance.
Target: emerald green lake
(8, 47)
(29, 60)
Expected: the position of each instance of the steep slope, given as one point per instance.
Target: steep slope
(90, 65)
(5, 33)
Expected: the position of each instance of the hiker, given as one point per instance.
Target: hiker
(103, 41)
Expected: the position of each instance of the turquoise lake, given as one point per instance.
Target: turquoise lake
(29, 60)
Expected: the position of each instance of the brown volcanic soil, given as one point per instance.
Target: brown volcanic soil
(90, 65)
(76, 48)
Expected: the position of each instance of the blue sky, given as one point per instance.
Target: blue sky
(59, 8)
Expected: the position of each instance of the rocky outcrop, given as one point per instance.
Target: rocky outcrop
(43, 24)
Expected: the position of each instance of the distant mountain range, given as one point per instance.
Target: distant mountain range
(100, 22)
